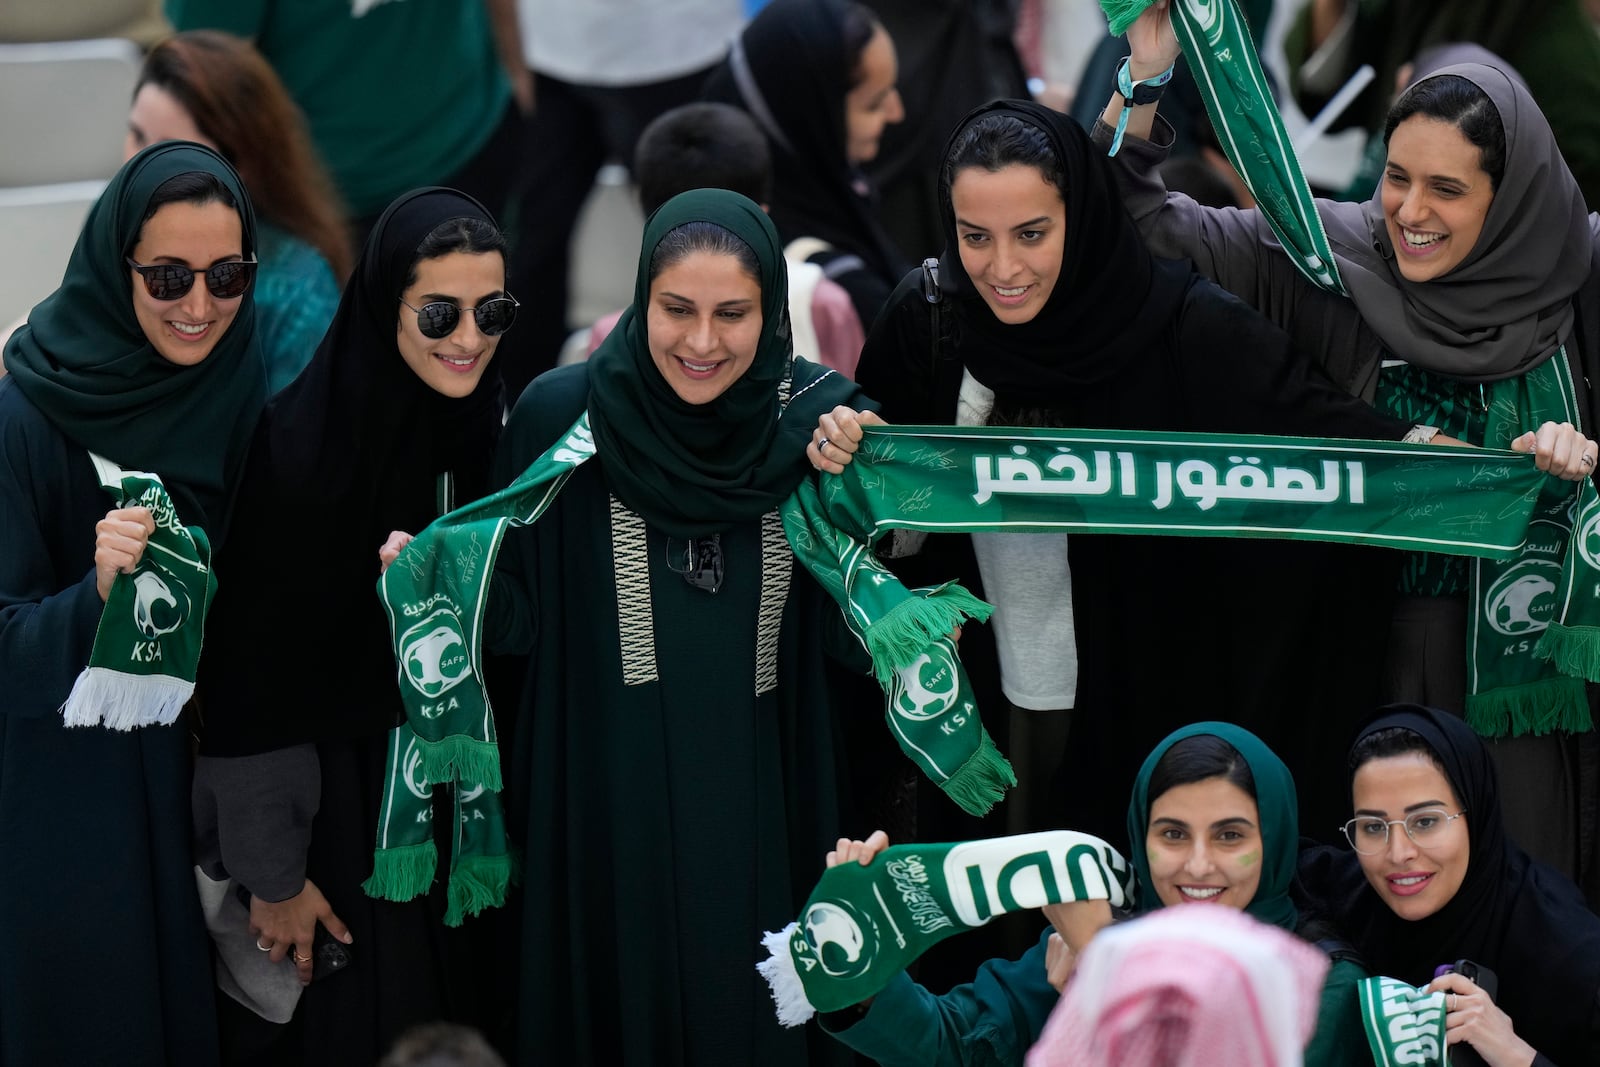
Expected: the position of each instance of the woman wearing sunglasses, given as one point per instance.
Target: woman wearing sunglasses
(146, 358)
(393, 420)
(1433, 879)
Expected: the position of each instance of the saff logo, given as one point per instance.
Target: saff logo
(1588, 536)
(1523, 599)
(157, 609)
(434, 654)
(411, 764)
(844, 942)
(1208, 15)
(929, 687)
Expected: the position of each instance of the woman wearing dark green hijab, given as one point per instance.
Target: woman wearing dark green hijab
(674, 746)
(1212, 822)
(146, 356)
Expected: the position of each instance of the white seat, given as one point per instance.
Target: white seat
(40, 225)
(64, 109)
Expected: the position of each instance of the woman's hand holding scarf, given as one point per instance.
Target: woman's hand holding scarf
(1559, 449)
(119, 542)
(1474, 1019)
(837, 437)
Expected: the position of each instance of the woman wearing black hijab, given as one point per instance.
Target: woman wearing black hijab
(1446, 884)
(819, 78)
(103, 952)
(395, 417)
(1051, 312)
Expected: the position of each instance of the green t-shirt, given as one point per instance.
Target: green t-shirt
(398, 93)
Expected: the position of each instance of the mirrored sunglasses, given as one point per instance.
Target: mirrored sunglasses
(172, 281)
(438, 319)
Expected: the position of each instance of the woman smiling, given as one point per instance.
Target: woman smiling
(1434, 879)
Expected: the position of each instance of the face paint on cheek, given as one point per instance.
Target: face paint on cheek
(1249, 859)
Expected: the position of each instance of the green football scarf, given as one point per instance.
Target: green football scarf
(1215, 38)
(864, 925)
(435, 594)
(147, 647)
(1534, 626)
(1404, 1024)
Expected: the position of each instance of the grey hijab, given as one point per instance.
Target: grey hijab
(1508, 305)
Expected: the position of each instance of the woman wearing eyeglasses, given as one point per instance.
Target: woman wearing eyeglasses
(144, 360)
(1434, 879)
(394, 419)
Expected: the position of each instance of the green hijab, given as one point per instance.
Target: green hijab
(695, 469)
(83, 360)
(1276, 802)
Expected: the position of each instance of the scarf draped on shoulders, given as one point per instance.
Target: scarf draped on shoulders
(790, 70)
(1112, 302)
(84, 361)
(1508, 305)
(694, 469)
(1512, 914)
(1277, 806)
(356, 445)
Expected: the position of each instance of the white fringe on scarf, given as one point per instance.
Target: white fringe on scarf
(118, 701)
(778, 969)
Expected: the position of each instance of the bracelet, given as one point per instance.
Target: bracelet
(1419, 435)
(1135, 94)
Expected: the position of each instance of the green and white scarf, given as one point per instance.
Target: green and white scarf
(1534, 624)
(147, 647)
(1405, 1025)
(864, 925)
(435, 594)
(1486, 503)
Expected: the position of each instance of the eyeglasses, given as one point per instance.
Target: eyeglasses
(1369, 835)
(172, 281)
(438, 319)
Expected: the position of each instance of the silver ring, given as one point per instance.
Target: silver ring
(1452, 1005)
(1588, 460)
(263, 948)
(823, 443)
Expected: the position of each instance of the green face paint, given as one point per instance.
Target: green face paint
(1249, 859)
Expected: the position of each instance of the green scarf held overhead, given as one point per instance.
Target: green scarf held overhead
(1534, 624)
(862, 926)
(1405, 1025)
(147, 647)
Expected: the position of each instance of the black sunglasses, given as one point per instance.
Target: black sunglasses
(172, 281)
(438, 319)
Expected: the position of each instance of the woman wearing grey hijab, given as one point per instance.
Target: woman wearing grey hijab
(1467, 270)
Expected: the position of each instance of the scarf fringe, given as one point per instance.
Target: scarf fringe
(1123, 13)
(478, 882)
(1542, 707)
(461, 759)
(103, 697)
(981, 782)
(402, 873)
(911, 625)
(784, 981)
(1574, 650)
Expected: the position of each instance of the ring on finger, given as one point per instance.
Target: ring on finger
(263, 948)
(1452, 1005)
(822, 443)
(1588, 460)
(301, 959)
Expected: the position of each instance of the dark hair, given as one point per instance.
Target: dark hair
(240, 105)
(1453, 99)
(470, 235)
(441, 1045)
(1392, 741)
(702, 146)
(859, 24)
(190, 187)
(995, 142)
(683, 241)
(1199, 758)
